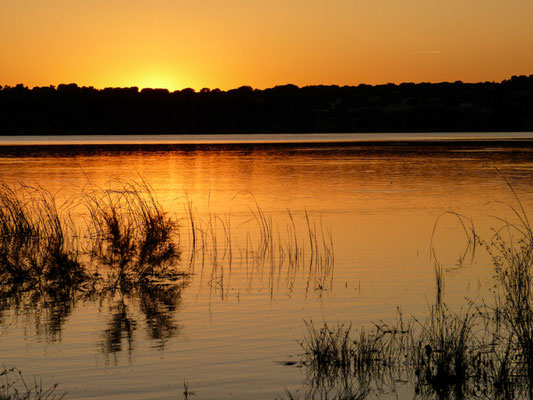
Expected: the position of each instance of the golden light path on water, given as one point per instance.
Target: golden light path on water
(236, 320)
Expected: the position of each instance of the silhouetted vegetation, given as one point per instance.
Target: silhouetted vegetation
(131, 233)
(126, 253)
(483, 351)
(117, 245)
(13, 386)
(271, 250)
(37, 240)
(127, 233)
(407, 107)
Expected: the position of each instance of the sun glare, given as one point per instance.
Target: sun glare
(159, 81)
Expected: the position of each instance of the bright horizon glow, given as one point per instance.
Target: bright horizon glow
(158, 79)
(176, 44)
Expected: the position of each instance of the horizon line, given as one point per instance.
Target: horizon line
(207, 89)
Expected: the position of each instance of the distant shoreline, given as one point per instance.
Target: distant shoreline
(406, 108)
(17, 145)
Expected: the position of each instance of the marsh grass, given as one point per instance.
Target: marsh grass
(127, 233)
(13, 386)
(47, 260)
(130, 233)
(345, 364)
(443, 356)
(37, 240)
(483, 350)
(265, 247)
(128, 253)
(511, 248)
(129, 247)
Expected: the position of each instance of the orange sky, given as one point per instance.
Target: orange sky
(229, 43)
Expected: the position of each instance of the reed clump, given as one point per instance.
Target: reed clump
(331, 350)
(443, 356)
(341, 364)
(126, 232)
(130, 233)
(37, 243)
(484, 350)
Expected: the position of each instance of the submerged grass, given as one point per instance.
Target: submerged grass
(484, 350)
(267, 248)
(445, 356)
(13, 386)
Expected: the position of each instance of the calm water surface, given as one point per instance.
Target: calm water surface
(228, 330)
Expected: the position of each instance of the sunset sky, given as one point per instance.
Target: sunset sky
(230, 43)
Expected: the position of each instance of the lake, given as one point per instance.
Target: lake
(355, 223)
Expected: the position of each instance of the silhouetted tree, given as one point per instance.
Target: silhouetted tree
(457, 106)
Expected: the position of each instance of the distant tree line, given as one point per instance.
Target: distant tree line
(408, 107)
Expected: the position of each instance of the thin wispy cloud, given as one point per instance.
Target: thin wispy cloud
(429, 52)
